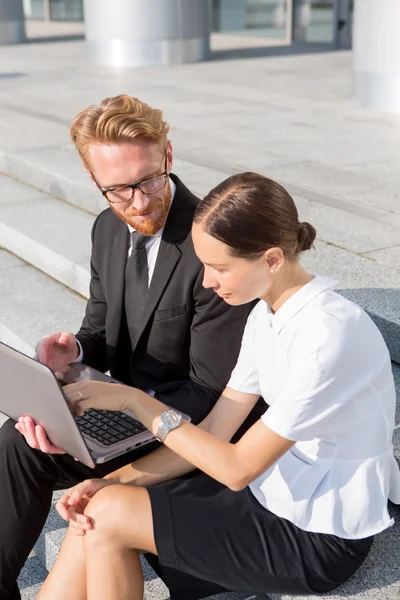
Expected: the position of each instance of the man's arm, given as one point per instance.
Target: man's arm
(215, 338)
(92, 334)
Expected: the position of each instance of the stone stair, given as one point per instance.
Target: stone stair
(46, 210)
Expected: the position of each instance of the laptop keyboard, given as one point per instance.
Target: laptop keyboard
(109, 427)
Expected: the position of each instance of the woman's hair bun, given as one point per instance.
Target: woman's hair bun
(306, 236)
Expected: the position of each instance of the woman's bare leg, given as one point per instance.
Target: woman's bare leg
(67, 578)
(122, 524)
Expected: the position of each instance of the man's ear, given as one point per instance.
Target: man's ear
(170, 156)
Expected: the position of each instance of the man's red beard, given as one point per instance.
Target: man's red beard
(147, 227)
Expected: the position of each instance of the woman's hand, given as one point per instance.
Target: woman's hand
(72, 504)
(98, 394)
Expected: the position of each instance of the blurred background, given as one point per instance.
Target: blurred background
(269, 19)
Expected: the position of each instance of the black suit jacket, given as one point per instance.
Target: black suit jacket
(190, 338)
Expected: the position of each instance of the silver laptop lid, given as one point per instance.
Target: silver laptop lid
(29, 388)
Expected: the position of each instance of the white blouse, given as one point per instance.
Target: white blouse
(321, 365)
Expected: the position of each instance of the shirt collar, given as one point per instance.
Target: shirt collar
(299, 300)
(160, 232)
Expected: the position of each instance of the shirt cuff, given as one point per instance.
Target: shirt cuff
(278, 426)
(79, 358)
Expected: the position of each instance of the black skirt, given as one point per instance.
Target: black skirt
(210, 539)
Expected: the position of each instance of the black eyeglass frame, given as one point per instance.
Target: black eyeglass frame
(134, 186)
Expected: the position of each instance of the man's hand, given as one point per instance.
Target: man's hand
(35, 436)
(57, 350)
(72, 504)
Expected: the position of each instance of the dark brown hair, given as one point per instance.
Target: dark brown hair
(251, 213)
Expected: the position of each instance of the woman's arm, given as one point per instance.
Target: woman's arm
(206, 447)
(234, 465)
(164, 464)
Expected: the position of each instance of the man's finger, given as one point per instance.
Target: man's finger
(19, 425)
(44, 442)
(30, 435)
(41, 351)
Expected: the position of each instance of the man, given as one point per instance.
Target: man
(148, 319)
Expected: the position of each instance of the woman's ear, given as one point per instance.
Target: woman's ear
(274, 259)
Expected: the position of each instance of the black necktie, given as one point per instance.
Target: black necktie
(136, 285)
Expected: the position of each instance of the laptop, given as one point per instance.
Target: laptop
(29, 388)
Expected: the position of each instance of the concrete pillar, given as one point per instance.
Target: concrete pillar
(134, 33)
(12, 25)
(376, 54)
(301, 19)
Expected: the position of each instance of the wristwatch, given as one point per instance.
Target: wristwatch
(170, 420)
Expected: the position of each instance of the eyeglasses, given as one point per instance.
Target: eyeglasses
(118, 195)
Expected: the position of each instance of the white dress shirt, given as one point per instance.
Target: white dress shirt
(152, 246)
(323, 367)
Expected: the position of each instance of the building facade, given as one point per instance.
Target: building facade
(279, 21)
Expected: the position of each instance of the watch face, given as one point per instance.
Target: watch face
(171, 418)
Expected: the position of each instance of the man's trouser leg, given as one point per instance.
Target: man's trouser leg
(27, 481)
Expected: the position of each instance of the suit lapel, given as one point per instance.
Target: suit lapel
(116, 287)
(176, 230)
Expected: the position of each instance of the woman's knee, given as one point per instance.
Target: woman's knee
(122, 514)
(107, 509)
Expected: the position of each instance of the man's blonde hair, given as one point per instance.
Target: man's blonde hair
(117, 119)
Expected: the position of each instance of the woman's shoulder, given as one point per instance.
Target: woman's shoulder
(340, 329)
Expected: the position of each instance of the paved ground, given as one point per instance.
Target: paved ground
(288, 115)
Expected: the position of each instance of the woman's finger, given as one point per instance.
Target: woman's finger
(85, 488)
(84, 395)
(62, 505)
(79, 521)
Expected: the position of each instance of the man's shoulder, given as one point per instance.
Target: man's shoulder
(107, 225)
(108, 219)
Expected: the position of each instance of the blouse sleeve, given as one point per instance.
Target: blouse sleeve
(244, 376)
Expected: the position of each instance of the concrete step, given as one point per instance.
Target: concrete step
(32, 304)
(381, 303)
(31, 578)
(46, 233)
(58, 172)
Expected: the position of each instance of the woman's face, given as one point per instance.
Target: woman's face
(236, 280)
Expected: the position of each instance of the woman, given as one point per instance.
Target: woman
(294, 505)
